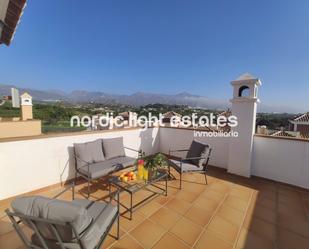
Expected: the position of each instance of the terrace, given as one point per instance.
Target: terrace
(230, 212)
(256, 197)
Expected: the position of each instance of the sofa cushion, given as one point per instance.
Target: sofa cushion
(97, 170)
(113, 147)
(56, 210)
(90, 152)
(102, 215)
(197, 149)
(186, 166)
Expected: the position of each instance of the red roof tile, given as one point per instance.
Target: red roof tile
(302, 118)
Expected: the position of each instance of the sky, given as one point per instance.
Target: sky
(163, 46)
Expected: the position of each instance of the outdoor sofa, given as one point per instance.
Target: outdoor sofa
(196, 160)
(59, 224)
(101, 157)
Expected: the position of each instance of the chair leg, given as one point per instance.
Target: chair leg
(88, 187)
(74, 184)
(169, 172)
(206, 178)
(118, 226)
(180, 180)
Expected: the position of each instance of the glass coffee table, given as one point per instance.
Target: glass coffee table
(132, 187)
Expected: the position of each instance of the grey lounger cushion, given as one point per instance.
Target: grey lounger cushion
(91, 152)
(102, 214)
(100, 169)
(91, 219)
(186, 166)
(197, 149)
(53, 209)
(113, 147)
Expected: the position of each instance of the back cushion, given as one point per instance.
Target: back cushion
(113, 147)
(55, 210)
(197, 149)
(90, 152)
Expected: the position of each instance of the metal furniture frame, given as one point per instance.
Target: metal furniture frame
(88, 178)
(17, 219)
(141, 185)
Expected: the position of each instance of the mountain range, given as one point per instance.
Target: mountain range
(135, 99)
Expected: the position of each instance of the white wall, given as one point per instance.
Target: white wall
(181, 139)
(32, 164)
(28, 165)
(283, 160)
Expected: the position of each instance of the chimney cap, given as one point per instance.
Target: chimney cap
(26, 95)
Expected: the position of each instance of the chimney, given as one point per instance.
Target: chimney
(26, 106)
(262, 129)
(244, 105)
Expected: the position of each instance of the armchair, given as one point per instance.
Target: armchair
(196, 160)
(58, 224)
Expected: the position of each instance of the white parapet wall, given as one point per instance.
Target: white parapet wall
(283, 160)
(180, 138)
(31, 164)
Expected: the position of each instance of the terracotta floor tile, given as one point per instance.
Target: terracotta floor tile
(12, 240)
(276, 214)
(212, 240)
(127, 224)
(172, 190)
(147, 233)
(198, 215)
(5, 225)
(227, 230)
(242, 194)
(206, 203)
(236, 203)
(212, 194)
(288, 240)
(110, 238)
(179, 206)
(186, 230)
(169, 241)
(162, 200)
(293, 224)
(231, 214)
(244, 187)
(293, 203)
(263, 213)
(250, 240)
(288, 211)
(186, 196)
(126, 242)
(219, 187)
(193, 187)
(270, 195)
(165, 217)
(265, 202)
(149, 208)
(261, 227)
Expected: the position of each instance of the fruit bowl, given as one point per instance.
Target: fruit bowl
(127, 176)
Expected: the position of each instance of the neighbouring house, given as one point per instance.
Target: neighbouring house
(7, 97)
(168, 115)
(283, 133)
(300, 124)
(24, 125)
(226, 127)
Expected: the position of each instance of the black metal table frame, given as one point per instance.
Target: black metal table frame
(144, 186)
